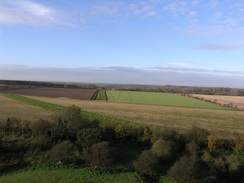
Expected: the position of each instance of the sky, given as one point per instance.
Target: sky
(157, 42)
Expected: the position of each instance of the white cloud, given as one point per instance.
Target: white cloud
(193, 13)
(218, 14)
(28, 12)
(223, 46)
(177, 7)
(106, 9)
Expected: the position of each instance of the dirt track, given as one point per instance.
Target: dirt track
(237, 101)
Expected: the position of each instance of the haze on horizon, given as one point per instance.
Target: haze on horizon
(158, 42)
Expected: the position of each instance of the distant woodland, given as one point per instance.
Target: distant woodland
(11, 84)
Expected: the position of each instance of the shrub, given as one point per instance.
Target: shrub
(120, 132)
(212, 143)
(62, 153)
(146, 135)
(147, 163)
(89, 136)
(98, 155)
(41, 128)
(184, 170)
(163, 149)
(228, 168)
(67, 122)
(13, 125)
(199, 136)
(238, 145)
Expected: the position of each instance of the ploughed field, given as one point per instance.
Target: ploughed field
(235, 101)
(82, 94)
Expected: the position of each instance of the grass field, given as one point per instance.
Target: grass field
(100, 95)
(11, 108)
(84, 175)
(224, 123)
(156, 98)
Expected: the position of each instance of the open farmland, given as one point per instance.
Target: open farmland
(11, 108)
(156, 98)
(225, 123)
(237, 101)
(82, 94)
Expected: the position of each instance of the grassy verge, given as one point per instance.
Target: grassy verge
(71, 175)
(37, 103)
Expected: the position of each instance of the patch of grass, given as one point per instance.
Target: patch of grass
(82, 175)
(37, 103)
(156, 98)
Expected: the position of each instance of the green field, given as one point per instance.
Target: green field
(100, 95)
(83, 175)
(156, 98)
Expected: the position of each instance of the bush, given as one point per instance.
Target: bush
(147, 163)
(228, 168)
(98, 155)
(199, 136)
(41, 128)
(13, 125)
(163, 149)
(62, 153)
(238, 145)
(212, 143)
(184, 170)
(89, 136)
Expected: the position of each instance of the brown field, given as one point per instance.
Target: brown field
(82, 94)
(225, 123)
(11, 108)
(237, 101)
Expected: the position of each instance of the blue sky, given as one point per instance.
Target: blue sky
(162, 42)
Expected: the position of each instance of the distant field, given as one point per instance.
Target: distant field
(237, 101)
(225, 123)
(11, 108)
(82, 94)
(156, 98)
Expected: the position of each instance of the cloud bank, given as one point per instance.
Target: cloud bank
(126, 75)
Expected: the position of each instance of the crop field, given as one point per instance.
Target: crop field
(237, 101)
(100, 95)
(156, 98)
(227, 123)
(11, 108)
(82, 94)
